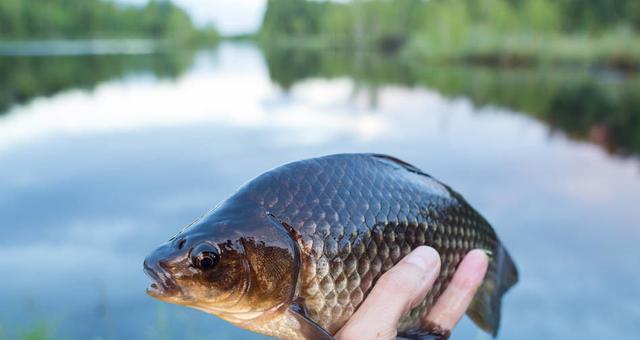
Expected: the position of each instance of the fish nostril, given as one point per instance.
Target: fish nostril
(181, 243)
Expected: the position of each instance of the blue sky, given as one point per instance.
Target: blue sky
(230, 16)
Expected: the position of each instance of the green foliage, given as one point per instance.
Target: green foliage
(377, 22)
(337, 25)
(286, 65)
(598, 32)
(446, 25)
(498, 15)
(590, 109)
(594, 15)
(542, 16)
(44, 19)
(292, 18)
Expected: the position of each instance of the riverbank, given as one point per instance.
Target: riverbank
(619, 51)
(71, 47)
(80, 47)
(482, 32)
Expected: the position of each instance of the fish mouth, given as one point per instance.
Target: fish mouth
(162, 285)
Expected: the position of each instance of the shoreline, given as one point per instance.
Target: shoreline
(78, 47)
(559, 51)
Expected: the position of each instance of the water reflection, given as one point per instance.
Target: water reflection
(601, 107)
(93, 180)
(27, 77)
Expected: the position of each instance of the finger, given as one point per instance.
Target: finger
(455, 300)
(400, 288)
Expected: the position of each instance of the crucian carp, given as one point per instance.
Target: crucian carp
(295, 251)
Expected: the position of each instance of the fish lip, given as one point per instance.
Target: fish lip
(162, 285)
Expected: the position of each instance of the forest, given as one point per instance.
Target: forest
(72, 19)
(603, 32)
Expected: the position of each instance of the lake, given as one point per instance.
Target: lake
(103, 157)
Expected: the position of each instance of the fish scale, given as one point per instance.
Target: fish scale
(357, 216)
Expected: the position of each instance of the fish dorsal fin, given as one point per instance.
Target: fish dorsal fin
(435, 187)
(401, 163)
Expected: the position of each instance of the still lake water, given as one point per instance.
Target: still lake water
(102, 161)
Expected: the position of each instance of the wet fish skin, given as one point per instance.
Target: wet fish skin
(333, 225)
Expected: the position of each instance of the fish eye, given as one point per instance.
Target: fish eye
(205, 256)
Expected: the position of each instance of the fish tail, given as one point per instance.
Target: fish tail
(485, 307)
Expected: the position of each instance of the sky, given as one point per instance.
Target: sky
(229, 16)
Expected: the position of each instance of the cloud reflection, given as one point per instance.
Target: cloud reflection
(211, 96)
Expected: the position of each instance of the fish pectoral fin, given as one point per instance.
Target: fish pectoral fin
(436, 333)
(309, 328)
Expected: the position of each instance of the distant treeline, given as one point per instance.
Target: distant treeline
(401, 17)
(68, 19)
(501, 31)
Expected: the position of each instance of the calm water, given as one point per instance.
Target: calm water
(104, 157)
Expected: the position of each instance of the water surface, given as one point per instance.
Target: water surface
(105, 157)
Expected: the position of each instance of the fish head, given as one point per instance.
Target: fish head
(234, 263)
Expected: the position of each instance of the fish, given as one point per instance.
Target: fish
(295, 251)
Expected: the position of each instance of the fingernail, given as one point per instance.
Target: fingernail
(479, 257)
(425, 258)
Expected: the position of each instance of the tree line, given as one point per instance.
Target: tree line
(513, 31)
(305, 17)
(68, 19)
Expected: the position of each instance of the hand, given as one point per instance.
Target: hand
(405, 285)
